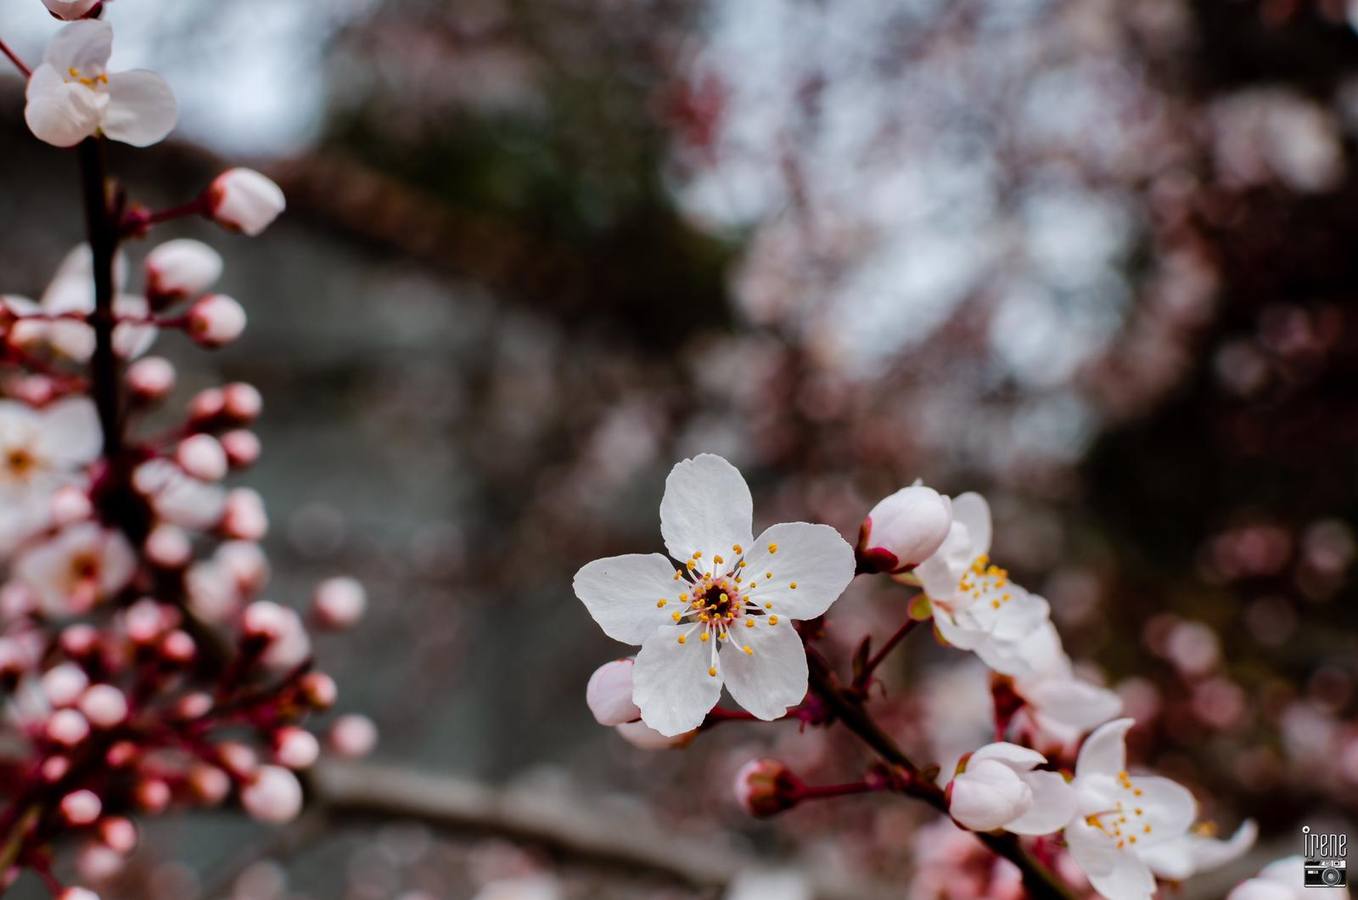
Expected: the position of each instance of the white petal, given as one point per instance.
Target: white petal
(1116, 874)
(70, 434)
(1045, 654)
(74, 340)
(954, 632)
(670, 681)
(130, 339)
(1053, 804)
(707, 508)
(773, 677)
(118, 562)
(84, 45)
(1169, 806)
(813, 557)
(1105, 751)
(1073, 702)
(972, 510)
(988, 795)
(141, 109)
(1021, 759)
(61, 114)
(622, 592)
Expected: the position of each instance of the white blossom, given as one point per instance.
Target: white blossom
(79, 566)
(904, 529)
(1059, 706)
(724, 615)
(40, 452)
(1000, 786)
(1197, 851)
(244, 200)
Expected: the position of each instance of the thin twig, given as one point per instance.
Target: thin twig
(14, 58)
(877, 658)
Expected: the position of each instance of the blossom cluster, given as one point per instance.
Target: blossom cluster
(1054, 794)
(143, 664)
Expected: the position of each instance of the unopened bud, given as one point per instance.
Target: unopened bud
(70, 504)
(69, 11)
(179, 269)
(216, 320)
(63, 684)
(339, 602)
(273, 795)
(151, 379)
(765, 787)
(202, 456)
(609, 693)
(904, 529)
(152, 795)
(104, 705)
(318, 689)
(242, 448)
(168, 546)
(244, 200)
(245, 518)
(295, 748)
(119, 834)
(209, 783)
(353, 736)
(242, 402)
(81, 807)
(67, 727)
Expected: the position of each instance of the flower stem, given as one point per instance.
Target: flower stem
(847, 705)
(102, 233)
(14, 58)
(823, 791)
(877, 658)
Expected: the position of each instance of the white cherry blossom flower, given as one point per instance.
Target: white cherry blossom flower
(72, 96)
(1197, 851)
(71, 291)
(976, 607)
(1119, 817)
(1000, 786)
(904, 529)
(79, 566)
(1283, 879)
(1060, 707)
(41, 451)
(724, 615)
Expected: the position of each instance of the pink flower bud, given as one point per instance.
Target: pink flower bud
(121, 754)
(904, 529)
(168, 546)
(151, 379)
(152, 795)
(118, 834)
(245, 563)
(339, 602)
(67, 727)
(202, 457)
(54, 768)
(178, 647)
(207, 404)
(765, 786)
(242, 448)
(70, 10)
(644, 737)
(609, 693)
(144, 621)
(104, 705)
(179, 269)
(76, 893)
(319, 690)
(79, 640)
(70, 504)
(216, 320)
(295, 748)
(209, 783)
(245, 518)
(63, 684)
(353, 736)
(274, 795)
(98, 863)
(81, 807)
(242, 402)
(238, 759)
(244, 200)
(194, 706)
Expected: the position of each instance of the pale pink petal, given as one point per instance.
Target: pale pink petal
(1105, 751)
(670, 681)
(141, 109)
(623, 594)
(814, 558)
(707, 508)
(84, 45)
(1112, 872)
(70, 434)
(773, 676)
(59, 113)
(1053, 804)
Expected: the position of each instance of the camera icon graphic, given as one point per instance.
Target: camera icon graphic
(1324, 864)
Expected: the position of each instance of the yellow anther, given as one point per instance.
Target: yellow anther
(793, 586)
(712, 670)
(1132, 838)
(704, 637)
(676, 616)
(737, 549)
(768, 605)
(718, 560)
(683, 598)
(749, 623)
(692, 565)
(773, 620)
(724, 598)
(697, 554)
(995, 604)
(683, 639)
(1147, 829)
(749, 651)
(660, 604)
(742, 564)
(768, 575)
(773, 548)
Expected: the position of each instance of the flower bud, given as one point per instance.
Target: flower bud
(168, 546)
(904, 529)
(179, 269)
(152, 795)
(70, 10)
(339, 602)
(286, 643)
(98, 863)
(987, 795)
(104, 705)
(119, 834)
(54, 768)
(81, 807)
(242, 448)
(239, 759)
(79, 639)
(64, 683)
(353, 736)
(242, 402)
(202, 456)
(765, 787)
(274, 795)
(245, 518)
(206, 405)
(244, 200)
(151, 378)
(318, 689)
(178, 647)
(67, 727)
(295, 748)
(609, 693)
(216, 320)
(209, 783)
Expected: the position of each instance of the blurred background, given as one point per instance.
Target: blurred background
(1095, 259)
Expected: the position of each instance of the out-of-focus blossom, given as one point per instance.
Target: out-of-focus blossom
(999, 786)
(731, 589)
(526, 887)
(70, 10)
(1059, 706)
(976, 607)
(1119, 817)
(765, 787)
(40, 452)
(180, 269)
(71, 95)
(216, 320)
(770, 885)
(70, 297)
(81, 565)
(353, 736)
(339, 602)
(272, 795)
(244, 200)
(904, 529)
